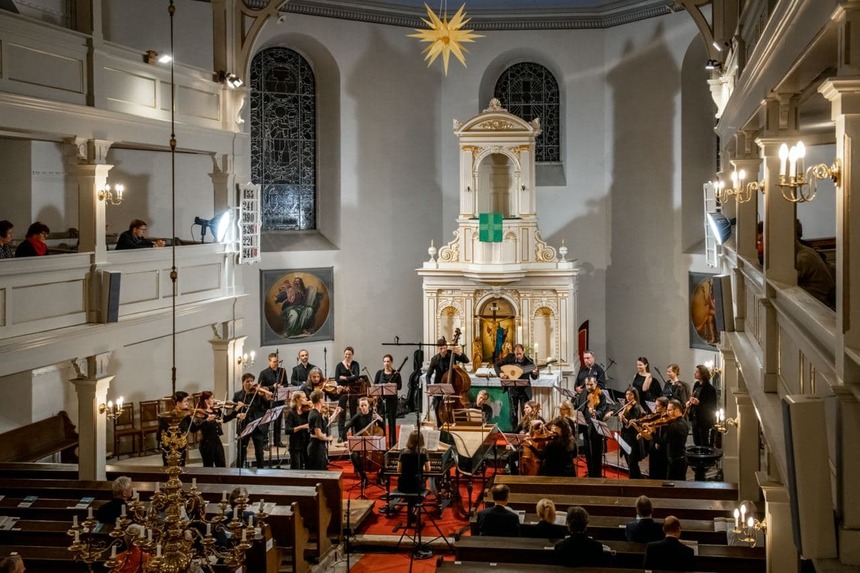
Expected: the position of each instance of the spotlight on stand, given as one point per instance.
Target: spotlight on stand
(231, 80)
(218, 225)
(720, 227)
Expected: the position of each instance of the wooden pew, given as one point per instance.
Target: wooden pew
(39, 440)
(630, 555)
(551, 486)
(492, 567)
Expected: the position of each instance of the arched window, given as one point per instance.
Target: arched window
(529, 90)
(284, 138)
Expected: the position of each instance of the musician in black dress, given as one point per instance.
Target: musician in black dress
(520, 394)
(301, 370)
(531, 419)
(440, 364)
(592, 403)
(251, 402)
(389, 376)
(272, 378)
(181, 408)
(555, 457)
(413, 465)
(318, 428)
(297, 428)
(364, 423)
(658, 461)
(702, 406)
(675, 388)
(346, 372)
(589, 368)
(648, 387)
(208, 422)
(676, 442)
(631, 412)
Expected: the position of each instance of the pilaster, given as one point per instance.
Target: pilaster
(782, 556)
(747, 217)
(87, 164)
(227, 349)
(778, 217)
(92, 387)
(731, 376)
(747, 447)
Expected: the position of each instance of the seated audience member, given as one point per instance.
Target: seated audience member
(644, 529)
(578, 549)
(813, 274)
(134, 239)
(34, 244)
(546, 527)
(669, 553)
(122, 492)
(133, 559)
(6, 235)
(499, 520)
(12, 564)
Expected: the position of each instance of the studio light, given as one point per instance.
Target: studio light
(151, 57)
(720, 226)
(230, 79)
(218, 225)
(713, 65)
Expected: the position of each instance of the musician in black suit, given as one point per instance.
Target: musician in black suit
(592, 404)
(251, 402)
(301, 370)
(388, 375)
(346, 373)
(676, 442)
(440, 364)
(499, 520)
(644, 529)
(669, 554)
(273, 378)
(578, 549)
(518, 395)
(702, 406)
(589, 368)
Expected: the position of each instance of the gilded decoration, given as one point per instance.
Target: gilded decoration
(543, 252)
(495, 125)
(450, 253)
(495, 105)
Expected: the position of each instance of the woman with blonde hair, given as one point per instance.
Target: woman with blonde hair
(546, 527)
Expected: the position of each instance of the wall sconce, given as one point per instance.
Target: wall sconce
(798, 185)
(231, 80)
(111, 196)
(741, 192)
(746, 526)
(111, 410)
(723, 423)
(246, 360)
(151, 57)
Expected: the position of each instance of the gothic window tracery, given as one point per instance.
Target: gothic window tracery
(529, 90)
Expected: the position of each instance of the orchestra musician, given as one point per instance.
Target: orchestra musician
(181, 409)
(675, 388)
(555, 456)
(589, 368)
(346, 372)
(272, 378)
(251, 402)
(481, 404)
(658, 461)
(412, 465)
(520, 394)
(631, 411)
(318, 428)
(592, 403)
(676, 442)
(297, 428)
(649, 389)
(531, 418)
(364, 421)
(389, 376)
(302, 370)
(440, 364)
(208, 421)
(314, 381)
(702, 406)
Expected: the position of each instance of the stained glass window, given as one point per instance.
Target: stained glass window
(529, 90)
(283, 139)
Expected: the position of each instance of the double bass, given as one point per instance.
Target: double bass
(459, 379)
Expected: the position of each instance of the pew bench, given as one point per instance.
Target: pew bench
(41, 439)
(491, 567)
(551, 486)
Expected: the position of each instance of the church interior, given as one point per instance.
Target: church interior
(635, 178)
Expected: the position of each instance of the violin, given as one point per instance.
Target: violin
(203, 414)
(594, 398)
(261, 390)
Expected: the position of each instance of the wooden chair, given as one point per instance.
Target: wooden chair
(124, 426)
(149, 410)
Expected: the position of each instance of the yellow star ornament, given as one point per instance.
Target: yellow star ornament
(445, 37)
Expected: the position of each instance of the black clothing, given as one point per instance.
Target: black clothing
(544, 530)
(271, 379)
(596, 371)
(109, 512)
(163, 427)
(211, 448)
(676, 448)
(654, 390)
(300, 374)
(486, 411)
(127, 240)
(679, 391)
(644, 530)
(703, 415)
(255, 406)
(390, 403)
(346, 399)
(439, 365)
(669, 554)
(579, 550)
(518, 396)
(411, 474)
(593, 440)
(26, 249)
(658, 461)
(498, 521)
(299, 439)
(317, 454)
(555, 459)
(629, 435)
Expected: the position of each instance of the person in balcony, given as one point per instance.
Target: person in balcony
(34, 245)
(6, 236)
(134, 237)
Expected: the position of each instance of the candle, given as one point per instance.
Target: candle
(250, 521)
(260, 508)
(193, 483)
(157, 487)
(90, 512)
(750, 528)
(208, 530)
(149, 535)
(520, 334)
(134, 495)
(783, 156)
(140, 534)
(74, 521)
(537, 351)
(113, 551)
(801, 153)
(117, 526)
(224, 495)
(158, 550)
(792, 160)
(737, 515)
(77, 536)
(244, 535)
(122, 510)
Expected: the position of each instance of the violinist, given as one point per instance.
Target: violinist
(630, 412)
(297, 429)
(675, 388)
(592, 403)
(555, 455)
(520, 394)
(251, 401)
(676, 442)
(208, 421)
(440, 364)
(181, 409)
(389, 376)
(314, 381)
(702, 406)
(272, 378)
(531, 420)
(658, 465)
(302, 370)
(346, 372)
(649, 389)
(318, 428)
(366, 423)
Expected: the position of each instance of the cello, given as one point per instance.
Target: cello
(456, 377)
(530, 462)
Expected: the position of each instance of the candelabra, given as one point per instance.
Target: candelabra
(111, 410)
(723, 423)
(746, 526)
(247, 360)
(111, 196)
(172, 531)
(798, 185)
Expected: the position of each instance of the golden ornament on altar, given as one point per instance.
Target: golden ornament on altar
(445, 36)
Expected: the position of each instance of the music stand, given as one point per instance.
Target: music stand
(440, 389)
(381, 391)
(249, 429)
(566, 393)
(604, 430)
(362, 445)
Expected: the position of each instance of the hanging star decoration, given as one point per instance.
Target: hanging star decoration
(445, 36)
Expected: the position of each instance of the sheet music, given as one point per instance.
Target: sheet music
(624, 445)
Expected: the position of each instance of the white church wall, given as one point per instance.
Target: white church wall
(16, 162)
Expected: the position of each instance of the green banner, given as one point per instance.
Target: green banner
(490, 229)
